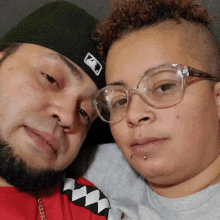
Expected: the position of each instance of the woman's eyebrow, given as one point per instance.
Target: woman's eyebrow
(118, 83)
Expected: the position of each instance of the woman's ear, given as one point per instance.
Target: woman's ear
(217, 97)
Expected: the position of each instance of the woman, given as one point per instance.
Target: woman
(162, 103)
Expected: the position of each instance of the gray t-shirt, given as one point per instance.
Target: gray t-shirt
(130, 194)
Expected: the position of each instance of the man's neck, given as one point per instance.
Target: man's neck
(3, 183)
(208, 177)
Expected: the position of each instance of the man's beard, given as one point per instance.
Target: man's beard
(17, 173)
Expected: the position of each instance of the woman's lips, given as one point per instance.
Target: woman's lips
(147, 145)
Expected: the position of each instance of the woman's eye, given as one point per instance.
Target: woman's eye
(119, 103)
(50, 79)
(166, 87)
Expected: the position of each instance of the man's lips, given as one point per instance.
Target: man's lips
(146, 145)
(46, 138)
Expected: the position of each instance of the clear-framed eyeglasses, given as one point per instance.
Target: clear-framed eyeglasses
(160, 87)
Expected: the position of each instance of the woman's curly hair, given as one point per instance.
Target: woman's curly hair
(131, 15)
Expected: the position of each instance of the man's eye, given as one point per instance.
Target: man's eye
(84, 114)
(50, 79)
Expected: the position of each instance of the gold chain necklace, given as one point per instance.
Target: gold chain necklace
(41, 207)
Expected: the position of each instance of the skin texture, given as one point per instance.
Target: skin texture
(58, 108)
(186, 158)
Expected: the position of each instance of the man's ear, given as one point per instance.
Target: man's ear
(1, 55)
(217, 97)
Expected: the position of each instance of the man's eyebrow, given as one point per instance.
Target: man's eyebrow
(74, 69)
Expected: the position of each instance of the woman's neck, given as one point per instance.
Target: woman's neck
(206, 178)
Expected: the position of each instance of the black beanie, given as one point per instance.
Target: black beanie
(64, 28)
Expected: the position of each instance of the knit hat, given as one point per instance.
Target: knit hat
(64, 28)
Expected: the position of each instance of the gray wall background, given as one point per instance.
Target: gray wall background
(13, 11)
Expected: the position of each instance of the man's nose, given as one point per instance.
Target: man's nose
(64, 109)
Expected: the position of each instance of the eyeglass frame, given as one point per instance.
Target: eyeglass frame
(186, 72)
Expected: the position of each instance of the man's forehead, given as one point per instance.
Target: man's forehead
(37, 55)
(62, 60)
(46, 59)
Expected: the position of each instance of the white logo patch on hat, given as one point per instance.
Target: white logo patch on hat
(93, 63)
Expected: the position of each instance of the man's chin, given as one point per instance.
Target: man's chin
(17, 173)
(33, 182)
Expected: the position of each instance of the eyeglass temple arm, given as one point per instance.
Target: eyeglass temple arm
(198, 73)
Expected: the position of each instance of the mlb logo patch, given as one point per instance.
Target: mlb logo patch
(93, 63)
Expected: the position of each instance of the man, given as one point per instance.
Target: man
(49, 73)
(162, 102)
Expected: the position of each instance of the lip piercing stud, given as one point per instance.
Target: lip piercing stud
(145, 157)
(130, 155)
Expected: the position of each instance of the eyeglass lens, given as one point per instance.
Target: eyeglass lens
(159, 90)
